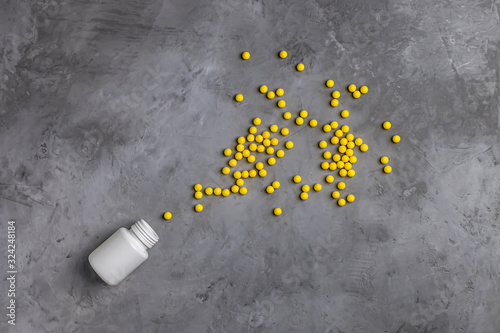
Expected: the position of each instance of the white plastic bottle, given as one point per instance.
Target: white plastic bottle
(123, 252)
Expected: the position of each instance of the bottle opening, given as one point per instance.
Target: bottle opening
(145, 233)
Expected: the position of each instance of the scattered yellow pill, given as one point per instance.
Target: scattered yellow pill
(327, 155)
(335, 194)
(341, 202)
(329, 179)
(384, 160)
(303, 114)
(238, 156)
(339, 133)
(271, 161)
(350, 145)
(280, 153)
(256, 121)
(252, 147)
(280, 92)
(386, 125)
(270, 94)
(351, 88)
(304, 196)
(353, 159)
(274, 142)
(289, 145)
(281, 103)
(277, 211)
(261, 148)
(241, 140)
(305, 188)
(217, 191)
(232, 162)
(341, 149)
(345, 158)
(334, 102)
(263, 89)
(266, 142)
(350, 198)
(334, 140)
(351, 173)
(237, 175)
(333, 166)
(334, 124)
(243, 190)
(240, 148)
(225, 192)
(270, 150)
(240, 182)
(250, 137)
(225, 170)
(273, 128)
(396, 139)
(287, 115)
(342, 172)
(356, 94)
(269, 189)
(344, 114)
(345, 128)
(299, 120)
(325, 165)
(244, 174)
(259, 165)
(235, 188)
(317, 187)
(336, 94)
(313, 123)
(276, 184)
(245, 55)
(322, 144)
(284, 131)
(349, 152)
(363, 147)
(167, 216)
(266, 135)
(297, 179)
(363, 89)
(262, 173)
(198, 195)
(259, 138)
(238, 97)
(343, 141)
(198, 187)
(349, 137)
(300, 67)
(358, 142)
(283, 54)
(329, 83)
(252, 173)
(336, 158)
(327, 128)
(387, 169)
(341, 185)
(348, 166)
(227, 152)
(340, 164)
(198, 208)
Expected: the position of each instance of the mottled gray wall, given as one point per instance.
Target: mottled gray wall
(110, 111)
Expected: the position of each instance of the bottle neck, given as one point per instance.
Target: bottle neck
(144, 233)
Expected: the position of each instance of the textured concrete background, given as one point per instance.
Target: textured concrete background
(110, 111)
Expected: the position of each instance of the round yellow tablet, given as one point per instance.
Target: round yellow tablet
(271, 161)
(263, 89)
(297, 179)
(305, 188)
(358, 142)
(348, 166)
(241, 140)
(340, 164)
(252, 173)
(396, 139)
(336, 158)
(266, 142)
(341, 202)
(262, 173)
(243, 190)
(198, 195)
(232, 162)
(345, 158)
(225, 192)
(363, 89)
(344, 114)
(227, 152)
(334, 140)
(351, 88)
(336, 94)
(349, 137)
(238, 156)
(335, 194)
(339, 133)
(341, 149)
(240, 148)
(167, 216)
(387, 169)
(334, 102)
(259, 138)
(277, 211)
(333, 166)
(245, 55)
(261, 148)
(343, 141)
(274, 142)
(238, 97)
(259, 165)
(303, 114)
(273, 128)
(256, 121)
(287, 115)
(299, 120)
(329, 83)
(341, 185)
(363, 147)
(356, 94)
(270, 94)
(244, 174)
(386, 125)
(345, 128)
(350, 145)
(325, 165)
(334, 124)
(300, 67)
(317, 187)
(284, 131)
(313, 123)
(353, 159)
(217, 191)
(280, 153)
(280, 92)
(384, 160)
(329, 179)
(225, 170)
(270, 150)
(266, 135)
(350, 198)
(327, 155)
(269, 189)
(304, 196)
(327, 128)
(198, 187)
(235, 188)
(281, 103)
(198, 208)
(283, 54)
(349, 152)
(289, 145)
(276, 184)
(252, 147)
(322, 144)
(250, 137)
(237, 175)
(351, 173)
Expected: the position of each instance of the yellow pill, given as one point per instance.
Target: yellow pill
(269, 189)
(334, 124)
(262, 173)
(271, 161)
(304, 196)
(238, 156)
(334, 102)
(313, 123)
(335, 194)
(245, 153)
(250, 137)
(261, 148)
(289, 145)
(334, 140)
(270, 94)
(384, 160)
(243, 190)
(343, 141)
(344, 114)
(256, 121)
(227, 152)
(225, 192)
(270, 150)
(329, 179)
(396, 139)
(341, 149)
(198, 208)
(340, 164)
(277, 211)
(235, 188)
(198, 195)
(327, 155)
(252, 173)
(386, 125)
(350, 145)
(363, 147)
(342, 172)
(287, 115)
(252, 147)
(353, 159)
(281, 103)
(259, 138)
(300, 67)
(259, 165)
(266, 142)
(305, 188)
(345, 158)
(274, 142)
(356, 94)
(347, 166)
(273, 128)
(244, 174)
(351, 88)
(284, 131)
(276, 184)
(297, 179)
(280, 92)
(339, 133)
(333, 166)
(217, 191)
(240, 148)
(329, 83)
(232, 162)
(325, 165)
(345, 128)
(237, 175)
(238, 97)
(167, 216)
(351, 173)
(240, 182)
(358, 142)
(283, 54)
(350, 198)
(336, 158)
(327, 128)
(266, 135)
(322, 144)
(299, 120)
(341, 185)
(349, 137)
(387, 169)
(317, 187)
(336, 94)
(225, 170)
(198, 187)
(263, 89)
(251, 159)
(363, 89)
(280, 153)
(303, 114)
(341, 202)
(241, 140)
(245, 55)
(349, 152)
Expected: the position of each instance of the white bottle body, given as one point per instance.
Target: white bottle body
(119, 255)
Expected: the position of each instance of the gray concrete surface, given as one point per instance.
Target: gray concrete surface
(110, 112)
